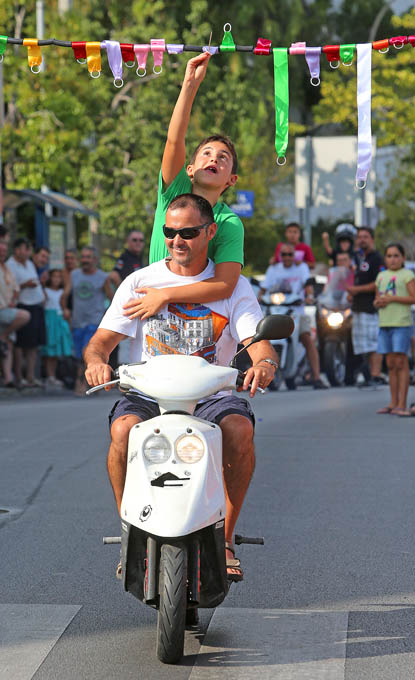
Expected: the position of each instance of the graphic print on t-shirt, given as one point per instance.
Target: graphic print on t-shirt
(391, 287)
(188, 329)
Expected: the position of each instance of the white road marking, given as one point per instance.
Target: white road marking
(27, 635)
(273, 644)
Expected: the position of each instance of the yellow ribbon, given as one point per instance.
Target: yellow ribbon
(93, 56)
(34, 55)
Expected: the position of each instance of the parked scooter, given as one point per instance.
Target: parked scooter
(173, 506)
(334, 323)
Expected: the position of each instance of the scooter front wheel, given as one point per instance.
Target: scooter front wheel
(173, 599)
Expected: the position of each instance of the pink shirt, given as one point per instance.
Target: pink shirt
(303, 253)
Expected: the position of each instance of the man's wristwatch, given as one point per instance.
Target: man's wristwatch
(270, 361)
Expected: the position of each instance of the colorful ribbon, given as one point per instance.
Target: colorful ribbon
(297, 48)
(227, 44)
(381, 45)
(79, 52)
(312, 56)
(34, 55)
(174, 49)
(93, 58)
(114, 60)
(346, 54)
(281, 102)
(127, 53)
(399, 41)
(411, 40)
(263, 46)
(211, 49)
(364, 94)
(3, 43)
(141, 52)
(332, 53)
(158, 48)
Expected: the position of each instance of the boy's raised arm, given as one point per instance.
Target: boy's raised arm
(175, 150)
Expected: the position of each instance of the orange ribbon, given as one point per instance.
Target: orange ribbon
(93, 57)
(34, 55)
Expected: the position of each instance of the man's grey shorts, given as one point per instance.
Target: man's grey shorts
(212, 409)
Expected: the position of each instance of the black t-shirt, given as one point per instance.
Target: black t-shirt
(367, 269)
(128, 263)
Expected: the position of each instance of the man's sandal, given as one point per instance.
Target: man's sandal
(233, 565)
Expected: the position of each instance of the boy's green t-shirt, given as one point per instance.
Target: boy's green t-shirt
(228, 243)
(391, 282)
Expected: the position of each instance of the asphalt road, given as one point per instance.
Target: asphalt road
(331, 594)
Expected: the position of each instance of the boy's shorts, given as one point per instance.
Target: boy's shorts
(81, 337)
(394, 339)
(212, 409)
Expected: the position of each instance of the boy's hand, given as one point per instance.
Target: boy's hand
(152, 301)
(196, 69)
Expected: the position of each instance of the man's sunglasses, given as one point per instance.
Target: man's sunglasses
(286, 254)
(187, 233)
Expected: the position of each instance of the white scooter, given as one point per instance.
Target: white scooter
(173, 506)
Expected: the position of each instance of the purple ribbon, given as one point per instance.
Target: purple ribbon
(114, 57)
(312, 56)
(174, 49)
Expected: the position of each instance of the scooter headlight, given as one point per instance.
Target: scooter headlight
(335, 319)
(190, 448)
(157, 449)
(277, 298)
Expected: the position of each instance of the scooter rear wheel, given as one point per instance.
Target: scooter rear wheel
(173, 599)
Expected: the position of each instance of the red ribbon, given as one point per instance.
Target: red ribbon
(127, 51)
(263, 46)
(400, 40)
(332, 52)
(411, 40)
(79, 50)
(380, 44)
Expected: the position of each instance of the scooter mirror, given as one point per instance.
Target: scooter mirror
(274, 327)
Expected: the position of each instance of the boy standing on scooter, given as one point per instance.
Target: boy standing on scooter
(212, 169)
(211, 331)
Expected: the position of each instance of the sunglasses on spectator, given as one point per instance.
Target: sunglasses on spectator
(285, 253)
(137, 239)
(187, 233)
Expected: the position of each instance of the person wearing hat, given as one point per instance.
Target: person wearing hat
(345, 236)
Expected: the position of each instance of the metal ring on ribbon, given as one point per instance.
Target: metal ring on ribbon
(35, 66)
(227, 30)
(141, 75)
(383, 51)
(337, 64)
(95, 74)
(347, 63)
(281, 160)
(157, 72)
(130, 64)
(315, 78)
(81, 61)
(398, 45)
(118, 80)
(360, 183)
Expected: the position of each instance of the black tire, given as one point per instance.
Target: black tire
(173, 597)
(290, 384)
(334, 363)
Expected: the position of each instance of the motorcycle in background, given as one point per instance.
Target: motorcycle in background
(334, 324)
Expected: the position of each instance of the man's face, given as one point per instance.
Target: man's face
(364, 240)
(287, 255)
(135, 242)
(41, 258)
(70, 261)
(23, 252)
(88, 261)
(212, 167)
(183, 251)
(292, 234)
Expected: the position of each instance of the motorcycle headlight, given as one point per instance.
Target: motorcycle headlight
(277, 298)
(157, 449)
(190, 448)
(335, 320)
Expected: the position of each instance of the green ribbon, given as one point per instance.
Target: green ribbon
(228, 44)
(346, 53)
(3, 43)
(281, 100)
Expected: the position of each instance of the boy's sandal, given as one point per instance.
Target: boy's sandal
(402, 412)
(384, 410)
(233, 565)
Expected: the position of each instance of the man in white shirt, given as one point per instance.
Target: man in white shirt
(217, 329)
(293, 280)
(31, 298)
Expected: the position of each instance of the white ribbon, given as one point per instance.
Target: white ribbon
(364, 101)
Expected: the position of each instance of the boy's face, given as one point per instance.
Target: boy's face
(343, 260)
(292, 234)
(212, 167)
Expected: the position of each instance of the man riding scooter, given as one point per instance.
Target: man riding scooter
(211, 332)
(287, 277)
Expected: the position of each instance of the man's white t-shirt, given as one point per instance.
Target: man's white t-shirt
(210, 330)
(22, 273)
(288, 280)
